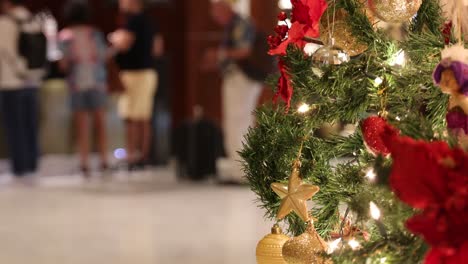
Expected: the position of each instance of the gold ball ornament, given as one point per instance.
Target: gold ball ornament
(344, 38)
(335, 25)
(395, 11)
(270, 248)
(307, 248)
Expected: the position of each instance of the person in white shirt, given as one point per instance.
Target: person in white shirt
(18, 91)
(240, 93)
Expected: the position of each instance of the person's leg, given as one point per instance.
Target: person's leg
(145, 130)
(31, 108)
(82, 138)
(149, 82)
(12, 113)
(97, 104)
(101, 133)
(131, 140)
(240, 96)
(125, 107)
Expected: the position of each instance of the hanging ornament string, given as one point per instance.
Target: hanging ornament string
(343, 225)
(383, 101)
(331, 33)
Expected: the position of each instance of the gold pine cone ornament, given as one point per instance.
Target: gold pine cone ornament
(270, 248)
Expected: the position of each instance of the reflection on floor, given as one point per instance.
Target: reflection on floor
(145, 218)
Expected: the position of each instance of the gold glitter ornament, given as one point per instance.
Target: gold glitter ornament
(395, 11)
(270, 248)
(334, 26)
(307, 248)
(344, 39)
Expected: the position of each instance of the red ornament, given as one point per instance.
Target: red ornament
(281, 30)
(447, 32)
(372, 129)
(282, 16)
(274, 41)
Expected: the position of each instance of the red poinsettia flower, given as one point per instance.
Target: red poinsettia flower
(305, 20)
(438, 256)
(433, 177)
(285, 89)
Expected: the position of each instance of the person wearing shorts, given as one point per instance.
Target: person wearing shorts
(84, 56)
(137, 43)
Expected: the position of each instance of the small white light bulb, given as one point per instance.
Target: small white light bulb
(303, 108)
(378, 81)
(333, 245)
(374, 211)
(370, 174)
(399, 59)
(354, 244)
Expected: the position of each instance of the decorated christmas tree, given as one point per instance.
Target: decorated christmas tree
(393, 190)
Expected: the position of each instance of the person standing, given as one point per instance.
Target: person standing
(137, 43)
(84, 52)
(20, 79)
(240, 93)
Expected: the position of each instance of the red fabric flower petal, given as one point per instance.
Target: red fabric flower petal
(285, 89)
(433, 177)
(305, 20)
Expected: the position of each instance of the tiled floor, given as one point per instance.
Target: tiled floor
(145, 219)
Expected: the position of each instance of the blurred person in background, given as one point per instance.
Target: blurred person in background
(137, 43)
(239, 92)
(84, 52)
(22, 64)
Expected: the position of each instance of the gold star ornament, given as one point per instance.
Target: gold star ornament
(294, 195)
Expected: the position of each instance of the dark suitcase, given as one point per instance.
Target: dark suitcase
(197, 146)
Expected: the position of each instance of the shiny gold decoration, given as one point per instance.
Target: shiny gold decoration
(330, 55)
(270, 248)
(343, 37)
(294, 195)
(334, 26)
(395, 11)
(307, 248)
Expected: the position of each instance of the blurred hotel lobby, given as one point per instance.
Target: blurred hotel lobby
(150, 216)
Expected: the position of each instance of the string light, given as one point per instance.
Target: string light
(285, 4)
(374, 211)
(333, 245)
(354, 244)
(303, 108)
(370, 175)
(399, 59)
(378, 81)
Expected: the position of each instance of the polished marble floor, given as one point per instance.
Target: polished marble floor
(145, 218)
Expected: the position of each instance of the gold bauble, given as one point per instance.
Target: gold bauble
(307, 248)
(344, 38)
(269, 249)
(335, 25)
(395, 11)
